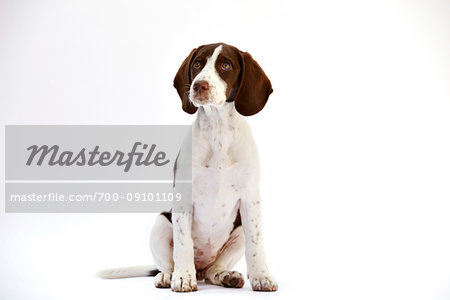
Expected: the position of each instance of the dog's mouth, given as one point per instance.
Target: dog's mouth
(204, 95)
(200, 101)
(201, 92)
(199, 98)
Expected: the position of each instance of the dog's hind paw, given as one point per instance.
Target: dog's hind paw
(231, 279)
(162, 280)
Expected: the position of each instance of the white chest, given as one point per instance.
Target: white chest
(223, 165)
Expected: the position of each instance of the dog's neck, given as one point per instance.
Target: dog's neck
(218, 127)
(217, 118)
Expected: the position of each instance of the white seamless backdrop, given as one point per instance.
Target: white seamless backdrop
(354, 142)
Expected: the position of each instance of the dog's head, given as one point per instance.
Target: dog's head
(218, 73)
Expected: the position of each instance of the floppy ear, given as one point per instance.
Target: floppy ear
(254, 88)
(182, 82)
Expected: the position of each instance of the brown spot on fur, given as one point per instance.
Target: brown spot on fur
(168, 215)
(237, 221)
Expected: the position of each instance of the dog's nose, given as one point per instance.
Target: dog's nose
(201, 86)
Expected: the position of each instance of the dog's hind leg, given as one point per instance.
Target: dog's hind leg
(220, 272)
(161, 245)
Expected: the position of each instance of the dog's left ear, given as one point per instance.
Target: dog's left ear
(254, 88)
(182, 82)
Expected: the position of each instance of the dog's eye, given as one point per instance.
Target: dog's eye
(226, 66)
(196, 64)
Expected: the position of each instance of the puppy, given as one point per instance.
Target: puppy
(221, 84)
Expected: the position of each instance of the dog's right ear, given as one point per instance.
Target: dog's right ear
(182, 82)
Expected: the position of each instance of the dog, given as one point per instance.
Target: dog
(221, 84)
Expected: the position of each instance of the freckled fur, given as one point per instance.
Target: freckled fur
(225, 170)
(203, 241)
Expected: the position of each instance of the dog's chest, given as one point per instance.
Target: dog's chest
(217, 182)
(216, 197)
(216, 194)
(224, 167)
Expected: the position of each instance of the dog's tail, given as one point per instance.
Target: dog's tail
(127, 272)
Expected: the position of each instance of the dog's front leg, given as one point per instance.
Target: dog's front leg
(260, 278)
(184, 275)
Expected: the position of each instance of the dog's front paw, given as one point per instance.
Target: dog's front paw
(263, 282)
(183, 282)
(162, 280)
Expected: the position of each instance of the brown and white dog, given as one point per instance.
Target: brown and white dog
(220, 83)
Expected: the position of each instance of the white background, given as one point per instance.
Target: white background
(354, 142)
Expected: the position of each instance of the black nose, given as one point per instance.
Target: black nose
(201, 86)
